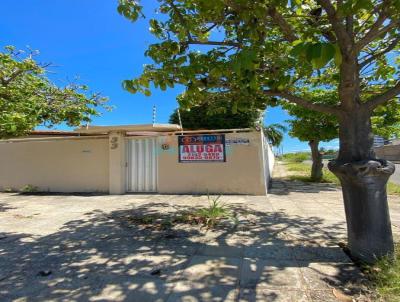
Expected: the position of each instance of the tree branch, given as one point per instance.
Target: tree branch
(375, 32)
(210, 28)
(303, 102)
(376, 55)
(383, 98)
(190, 39)
(344, 40)
(374, 28)
(13, 76)
(216, 43)
(280, 21)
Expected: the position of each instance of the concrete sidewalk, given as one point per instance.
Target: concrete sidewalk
(86, 248)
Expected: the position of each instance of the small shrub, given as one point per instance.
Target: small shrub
(208, 216)
(29, 189)
(215, 212)
(296, 157)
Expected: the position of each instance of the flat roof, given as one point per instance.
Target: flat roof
(129, 128)
(53, 133)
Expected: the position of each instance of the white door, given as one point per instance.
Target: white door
(142, 165)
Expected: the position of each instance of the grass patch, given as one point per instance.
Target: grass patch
(296, 157)
(385, 277)
(302, 172)
(393, 188)
(298, 167)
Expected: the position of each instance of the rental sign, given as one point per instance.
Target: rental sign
(202, 148)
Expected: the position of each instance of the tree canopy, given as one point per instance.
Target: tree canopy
(308, 125)
(29, 99)
(205, 116)
(271, 48)
(314, 127)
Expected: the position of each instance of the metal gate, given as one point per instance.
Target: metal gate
(141, 165)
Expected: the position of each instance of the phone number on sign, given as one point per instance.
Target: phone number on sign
(202, 156)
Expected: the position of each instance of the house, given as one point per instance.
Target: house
(155, 158)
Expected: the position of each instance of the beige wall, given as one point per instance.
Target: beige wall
(117, 163)
(98, 165)
(389, 152)
(242, 173)
(61, 165)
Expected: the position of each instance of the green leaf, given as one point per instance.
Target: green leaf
(235, 107)
(298, 50)
(327, 54)
(313, 51)
(128, 85)
(295, 3)
(362, 4)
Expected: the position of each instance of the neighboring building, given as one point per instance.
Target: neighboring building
(158, 158)
(389, 152)
(379, 141)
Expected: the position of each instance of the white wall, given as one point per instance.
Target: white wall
(269, 160)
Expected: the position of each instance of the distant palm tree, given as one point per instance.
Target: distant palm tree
(274, 134)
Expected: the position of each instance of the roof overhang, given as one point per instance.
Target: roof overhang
(129, 128)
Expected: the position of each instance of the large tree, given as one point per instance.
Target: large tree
(277, 48)
(315, 127)
(29, 99)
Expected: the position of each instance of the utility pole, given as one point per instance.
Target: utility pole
(154, 114)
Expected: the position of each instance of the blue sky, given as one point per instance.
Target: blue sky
(88, 39)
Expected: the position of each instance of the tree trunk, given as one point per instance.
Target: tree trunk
(363, 179)
(317, 165)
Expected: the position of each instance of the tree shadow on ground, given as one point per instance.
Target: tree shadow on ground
(47, 193)
(284, 186)
(5, 207)
(106, 257)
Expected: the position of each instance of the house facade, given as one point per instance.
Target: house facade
(157, 158)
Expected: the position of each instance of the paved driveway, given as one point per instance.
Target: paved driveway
(86, 248)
